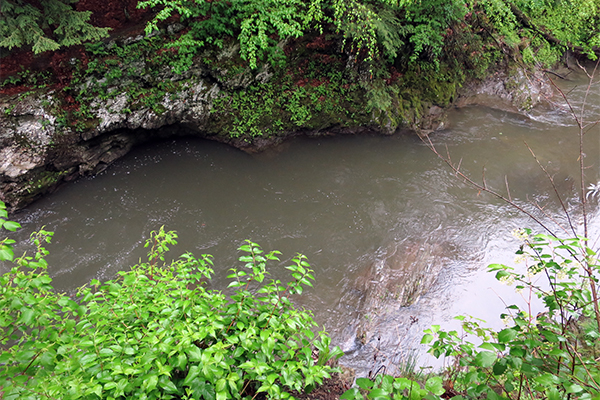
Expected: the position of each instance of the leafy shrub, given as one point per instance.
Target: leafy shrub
(254, 22)
(387, 387)
(553, 354)
(6, 250)
(155, 332)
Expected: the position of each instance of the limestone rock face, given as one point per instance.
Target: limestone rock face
(37, 150)
(516, 90)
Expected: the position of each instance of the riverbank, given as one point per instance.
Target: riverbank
(115, 94)
(116, 200)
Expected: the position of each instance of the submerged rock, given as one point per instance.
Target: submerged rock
(399, 275)
(381, 295)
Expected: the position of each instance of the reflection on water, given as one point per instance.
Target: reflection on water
(381, 219)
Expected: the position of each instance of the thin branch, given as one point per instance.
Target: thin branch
(507, 187)
(431, 146)
(588, 269)
(583, 69)
(483, 176)
(554, 73)
(549, 216)
(589, 127)
(595, 386)
(558, 196)
(564, 96)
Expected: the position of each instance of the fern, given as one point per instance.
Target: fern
(23, 24)
(258, 24)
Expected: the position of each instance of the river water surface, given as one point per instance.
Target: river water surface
(361, 208)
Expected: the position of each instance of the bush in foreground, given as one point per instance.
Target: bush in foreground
(155, 332)
(553, 354)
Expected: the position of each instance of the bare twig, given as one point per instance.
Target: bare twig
(483, 177)
(580, 123)
(483, 188)
(554, 73)
(558, 196)
(548, 215)
(589, 127)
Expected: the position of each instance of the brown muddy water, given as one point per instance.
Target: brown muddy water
(397, 242)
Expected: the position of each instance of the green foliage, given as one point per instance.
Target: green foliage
(385, 387)
(360, 22)
(253, 22)
(428, 23)
(540, 31)
(373, 28)
(155, 332)
(573, 23)
(25, 24)
(6, 250)
(319, 96)
(550, 355)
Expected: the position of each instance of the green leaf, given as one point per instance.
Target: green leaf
(553, 394)
(5, 356)
(507, 335)
(499, 367)
(558, 352)
(221, 384)
(181, 361)
(574, 388)
(88, 359)
(167, 385)
(488, 346)
(496, 267)
(547, 379)
(24, 356)
(27, 315)
(223, 395)
(364, 383)
(427, 339)
(6, 253)
(150, 382)
(129, 279)
(352, 394)
(96, 389)
(501, 274)
(550, 336)
(484, 359)
(435, 385)
(105, 352)
(378, 394)
(195, 354)
(491, 395)
(517, 352)
(11, 226)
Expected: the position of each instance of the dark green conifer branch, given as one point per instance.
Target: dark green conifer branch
(46, 25)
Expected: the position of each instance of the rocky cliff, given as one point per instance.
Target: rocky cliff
(53, 134)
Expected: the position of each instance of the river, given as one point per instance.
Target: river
(360, 207)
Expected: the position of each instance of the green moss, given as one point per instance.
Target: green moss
(42, 181)
(315, 88)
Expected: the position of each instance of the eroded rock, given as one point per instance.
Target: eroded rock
(38, 136)
(517, 90)
(399, 275)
